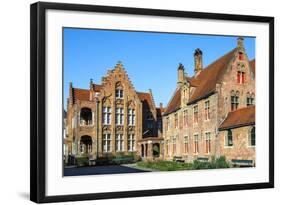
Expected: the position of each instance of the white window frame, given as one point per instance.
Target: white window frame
(131, 143)
(106, 143)
(119, 94)
(106, 112)
(226, 140)
(196, 139)
(131, 117)
(119, 143)
(208, 138)
(119, 116)
(207, 110)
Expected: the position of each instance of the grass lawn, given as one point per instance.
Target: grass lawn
(165, 165)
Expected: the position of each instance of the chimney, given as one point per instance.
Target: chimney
(198, 63)
(70, 93)
(240, 42)
(91, 84)
(180, 74)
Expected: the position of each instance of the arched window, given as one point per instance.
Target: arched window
(86, 144)
(229, 139)
(119, 91)
(240, 74)
(85, 116)
(250, 99)
(252, 138)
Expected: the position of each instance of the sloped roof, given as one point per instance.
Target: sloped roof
(146, 98)
(160, 111)
(253, 65)
(174, 104)
(84, 94)
(239, 118)
(205, 82)
(81, 94)
(97, 88)
(207, 79)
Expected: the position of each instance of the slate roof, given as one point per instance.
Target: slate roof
(239, 118)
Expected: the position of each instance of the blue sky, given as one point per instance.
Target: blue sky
(150, 59)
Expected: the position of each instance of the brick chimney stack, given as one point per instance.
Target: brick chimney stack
(180, 74)
(198, 62)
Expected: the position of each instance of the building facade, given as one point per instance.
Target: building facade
(111, 118)
(206, 115)
(210, 114)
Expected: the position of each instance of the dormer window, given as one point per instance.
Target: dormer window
(240, 56)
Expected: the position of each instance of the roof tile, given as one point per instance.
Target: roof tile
(239, 118)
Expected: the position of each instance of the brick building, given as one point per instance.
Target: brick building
(210, 114)
(113, 117)
(213, 112)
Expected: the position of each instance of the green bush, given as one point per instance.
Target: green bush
(220, 162)
(82, 161)
(165, 165)
(215, 163)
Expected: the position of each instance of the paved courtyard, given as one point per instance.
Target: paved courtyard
(94, 170)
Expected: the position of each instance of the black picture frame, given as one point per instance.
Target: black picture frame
(38, 101)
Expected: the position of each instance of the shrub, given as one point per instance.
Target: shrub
(201, 165)
(215, 163)
(220, 162)
(82, 161)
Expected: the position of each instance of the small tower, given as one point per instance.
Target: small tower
(240, 42)
(198, 62)
(180, 75)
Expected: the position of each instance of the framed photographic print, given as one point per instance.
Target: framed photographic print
(129, 102)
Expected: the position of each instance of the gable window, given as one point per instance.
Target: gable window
(131, 143)
(252, 138)
(185, 118)
(207, 110)
(250, 99)
(106, 119)
(186, 148)
(106, 142)
(195, 114)
(131, 116)
(240, 56)
(176, 120)
(119, 116)
(196, 143)
(208, 142)
(119, 94)
(240, 77)
(119, 143)
(229, 139)
(234, 101)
